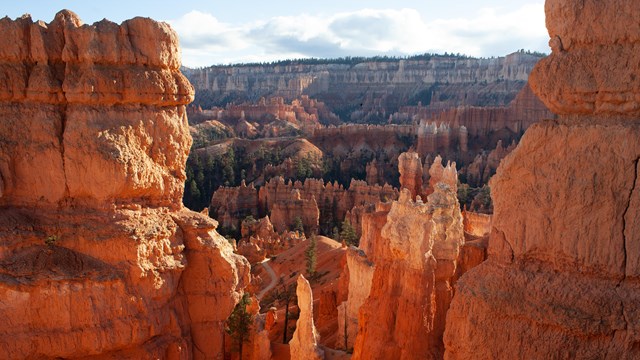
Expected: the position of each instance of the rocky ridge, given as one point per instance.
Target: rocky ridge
(312, 201)
(99, 258)
(369, 91)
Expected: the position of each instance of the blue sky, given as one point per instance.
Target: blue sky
(222, 32)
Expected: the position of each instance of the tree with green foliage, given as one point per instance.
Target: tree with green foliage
(288, 295)
(464, 194)
(304, 167)
(348, 234)
(298, 225)
(311, 255)
(335, 235)
(239, 323)
(228, 163)
(484, 198)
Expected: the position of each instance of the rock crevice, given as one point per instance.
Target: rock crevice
(624, 215)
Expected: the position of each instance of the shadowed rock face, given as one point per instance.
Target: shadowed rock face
(562, 276)
(98, 257)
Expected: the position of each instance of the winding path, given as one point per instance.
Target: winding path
(274, 279)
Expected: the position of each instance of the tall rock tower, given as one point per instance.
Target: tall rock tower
(98, 256)
(562, 278)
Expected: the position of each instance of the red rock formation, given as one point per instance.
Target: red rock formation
(415, 254)
(360, 272)
(485, 165)
(285, 212)
(442, 174)
(231, 205)
(374, 175)
(410, 168)
(476, 224)
(331, 199)
(561, 280)
(98, 256)
(375, 87)
(463, 138)
(258, 346)
(304, 344)
(327, 315)
(345, 138)
(517, 116)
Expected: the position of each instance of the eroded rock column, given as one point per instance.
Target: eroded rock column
(562, 276)
(98, 256)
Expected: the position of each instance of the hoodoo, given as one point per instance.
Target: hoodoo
(98, 257)
(561, 280)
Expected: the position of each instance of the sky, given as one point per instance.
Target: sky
(215, 32)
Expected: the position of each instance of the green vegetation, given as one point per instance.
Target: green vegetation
(483, 198)
(304, 167)
(239, 323)
(205, 136)
(298, 225)
(349, 60)
(348, 234)
(51, 240)
(311, 255)
(207, 172)
(475, 199)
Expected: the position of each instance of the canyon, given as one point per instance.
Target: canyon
(369, 90)
(476, 138)
(98, 256)
(434, 207)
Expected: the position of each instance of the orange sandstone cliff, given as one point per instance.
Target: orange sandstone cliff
(561, 280)
(98, 257)
(405, 290)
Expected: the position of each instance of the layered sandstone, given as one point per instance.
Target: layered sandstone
(562, 276)
(285, 213)
(260, 240)
(410, 168)
(442, 174)
(476, 224)
(345, 139)
(375, 89)
(304, 344)
(303, 113)
(99, 258)
(414, 247)
(230, 205)
(360, 271)
(285, 200)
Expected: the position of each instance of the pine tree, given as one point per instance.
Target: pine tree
(311, 256)
(335, 235)
(288, 294)
(298, 225)
(348, 234)
(238, 325)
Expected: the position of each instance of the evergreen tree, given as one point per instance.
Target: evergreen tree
(335, 234)
(288, 294)
(298, 225)
(238, 325)
(348, 234)
(311, 255)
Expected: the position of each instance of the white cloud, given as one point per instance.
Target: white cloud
(206, 41)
